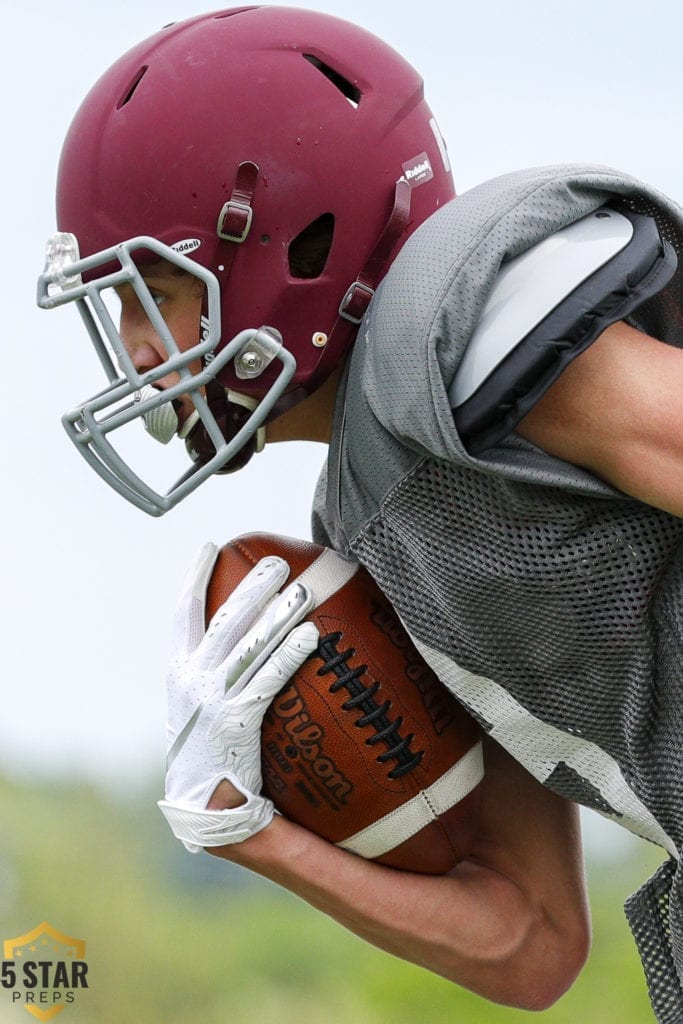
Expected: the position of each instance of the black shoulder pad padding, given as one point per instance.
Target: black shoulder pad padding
(640, 270)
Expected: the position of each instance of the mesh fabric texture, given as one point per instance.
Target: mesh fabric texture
(541, 595)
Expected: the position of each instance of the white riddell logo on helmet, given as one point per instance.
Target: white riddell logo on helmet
(187, 245)
(418, 170)
(205, 325)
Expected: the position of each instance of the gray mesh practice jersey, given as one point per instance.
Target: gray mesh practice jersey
(550, 603)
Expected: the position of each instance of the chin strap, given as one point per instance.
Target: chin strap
(357, 298)
(358, 295)
(232, 408)
(161, 423)
(234, 220)
(250, 403)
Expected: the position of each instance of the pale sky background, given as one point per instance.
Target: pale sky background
(89, 582)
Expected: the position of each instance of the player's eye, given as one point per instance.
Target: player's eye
(158, 298)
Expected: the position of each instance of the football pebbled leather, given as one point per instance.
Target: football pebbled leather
(364, 745)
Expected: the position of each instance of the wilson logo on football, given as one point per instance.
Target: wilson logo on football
(306, 736)
(364, 746)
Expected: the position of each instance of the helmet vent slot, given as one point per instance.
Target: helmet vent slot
(308, 252)
(346, 88)
(233, 12)
(128, 93)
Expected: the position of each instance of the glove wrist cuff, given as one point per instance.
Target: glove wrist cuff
(198, 829)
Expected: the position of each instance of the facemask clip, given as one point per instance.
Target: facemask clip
(61, 252)
(258, 353)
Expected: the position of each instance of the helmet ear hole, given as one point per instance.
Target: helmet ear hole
(308, 252)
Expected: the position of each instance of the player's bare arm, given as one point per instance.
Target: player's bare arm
(456, 322)
(511, 923)
(617, 411)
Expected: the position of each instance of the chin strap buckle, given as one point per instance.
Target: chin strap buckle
(358, 295)
(354, 304)
(234, 220)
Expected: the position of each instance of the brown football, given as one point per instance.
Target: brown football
(364, 745)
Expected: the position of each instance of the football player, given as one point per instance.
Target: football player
(498, 377)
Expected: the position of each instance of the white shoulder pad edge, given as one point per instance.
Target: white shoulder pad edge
(532, 284)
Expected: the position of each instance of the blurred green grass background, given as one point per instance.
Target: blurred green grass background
(177, 939)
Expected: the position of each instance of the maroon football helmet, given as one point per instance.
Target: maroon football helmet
(285, 155)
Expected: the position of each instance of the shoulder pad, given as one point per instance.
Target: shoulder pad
(545, 308)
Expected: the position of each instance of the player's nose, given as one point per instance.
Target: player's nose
(141, 342)
(143, 355)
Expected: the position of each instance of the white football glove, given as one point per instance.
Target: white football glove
(220, 684)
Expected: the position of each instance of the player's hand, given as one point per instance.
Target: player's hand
(220, 683)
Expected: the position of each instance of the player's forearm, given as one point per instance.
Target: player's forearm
(475, 928)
